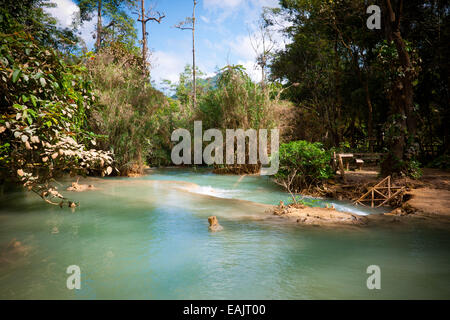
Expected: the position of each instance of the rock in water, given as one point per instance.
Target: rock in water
(214, 224)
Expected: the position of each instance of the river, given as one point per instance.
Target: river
(148, 238)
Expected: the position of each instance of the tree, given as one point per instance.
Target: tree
(44, 106)
(262, 43)
(403, 121)
(112, 11)
(30, 16)
(331, 56)
(143, 18)
(189, 24)
(127, 109)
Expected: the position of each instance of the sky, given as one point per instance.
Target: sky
(223, 30)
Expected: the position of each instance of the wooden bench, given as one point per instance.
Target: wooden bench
(360, 159)
(369, 157)
(359, 163)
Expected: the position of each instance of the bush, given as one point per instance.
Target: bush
(44, 105)
(303, 164)
(237, 102)
(441, 162)
(130, 110)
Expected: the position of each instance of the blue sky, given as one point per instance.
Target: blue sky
(222, 34)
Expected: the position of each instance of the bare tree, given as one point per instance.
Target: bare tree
(143, 18)
(99, 24)
(286, 182)
(189, 24)
(262, 43)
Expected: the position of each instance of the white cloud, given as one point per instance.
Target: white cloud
(166, 65)
(64, 12)
(242, 47)
(252, 69)
(204, 19)
(216, 4)
(86, 30)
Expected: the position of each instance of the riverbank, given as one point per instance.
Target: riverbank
(421, 201)
(329, 217)
(429, 195)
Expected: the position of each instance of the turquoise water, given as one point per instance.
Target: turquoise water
(147, 238)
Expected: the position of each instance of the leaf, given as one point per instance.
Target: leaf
(33, 100)
(15, 75)
(108, 170)
(43, 82)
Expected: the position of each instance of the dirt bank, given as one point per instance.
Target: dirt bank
(318, 216)
(429, 201)
(329, 217)
(429, 195)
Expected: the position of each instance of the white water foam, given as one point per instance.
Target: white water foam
(350, 209)
(215, 192)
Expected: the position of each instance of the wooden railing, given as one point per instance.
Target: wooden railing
(380, 194)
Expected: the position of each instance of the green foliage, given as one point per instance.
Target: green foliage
(306, 201)
(44, 105)
(441, 162)
(308, 162)
(413, 169)
(29, 16)
(117, 24)
(183, 89)
(132, 114)
(340, 66)
(236, 102)
(165, 120)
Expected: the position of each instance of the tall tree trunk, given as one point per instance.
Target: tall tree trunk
(144, 38)
(365, 82)
(99, 25)
(338, 98)
(369, 115)
(194, 85)
(401, 95)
